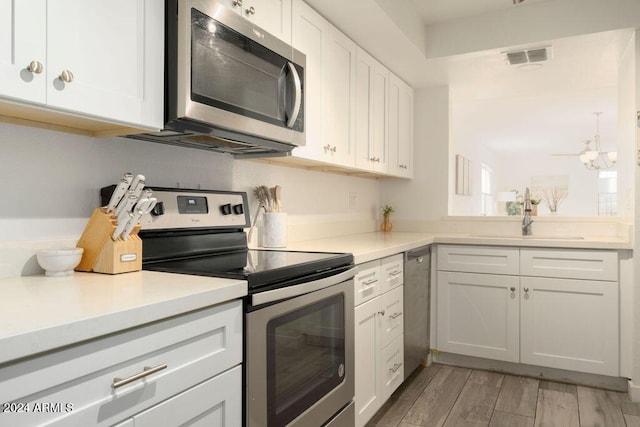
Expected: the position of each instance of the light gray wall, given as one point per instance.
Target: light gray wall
(425, 197)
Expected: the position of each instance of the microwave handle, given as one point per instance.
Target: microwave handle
(298, 100)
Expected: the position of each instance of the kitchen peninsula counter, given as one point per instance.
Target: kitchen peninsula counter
(40, 313)
(369, 246)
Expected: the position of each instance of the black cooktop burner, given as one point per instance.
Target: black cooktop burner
(260, 268)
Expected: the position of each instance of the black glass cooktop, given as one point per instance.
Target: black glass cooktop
(260, 268)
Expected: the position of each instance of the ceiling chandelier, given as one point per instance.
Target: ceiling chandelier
(596, 159)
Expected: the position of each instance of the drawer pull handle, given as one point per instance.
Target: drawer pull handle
(395, 273)
(369, 282)
(395, 315)
(119, 382)
(395, 368)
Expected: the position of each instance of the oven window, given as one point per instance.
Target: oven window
(234, 73)
(305, 358)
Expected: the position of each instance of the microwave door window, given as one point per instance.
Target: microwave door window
(232, 72)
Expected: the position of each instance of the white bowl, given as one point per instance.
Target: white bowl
(59, 262)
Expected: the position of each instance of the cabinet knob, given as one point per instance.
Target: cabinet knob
(526, 289)
(250, 11)
(237, 3)
(66, 76)
(381, 313)
(512, 289)
(35, 67)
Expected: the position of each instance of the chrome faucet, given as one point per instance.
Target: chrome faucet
(526, 218)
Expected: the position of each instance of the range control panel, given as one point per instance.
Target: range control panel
(178, 208)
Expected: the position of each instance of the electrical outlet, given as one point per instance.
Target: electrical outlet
(353, 197)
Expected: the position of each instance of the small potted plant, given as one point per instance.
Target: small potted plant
(386, 218)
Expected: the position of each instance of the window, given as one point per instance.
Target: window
(486, 184)
(607, 193)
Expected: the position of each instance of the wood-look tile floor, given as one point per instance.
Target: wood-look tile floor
(441, 395)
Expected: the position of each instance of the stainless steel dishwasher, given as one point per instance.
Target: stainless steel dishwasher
(417, 273)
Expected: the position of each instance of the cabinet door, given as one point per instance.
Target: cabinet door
(368, 397)
(22, 40)
(114, 53)
(365, 65)
(570, 324)
(367, 282)
(392, 316)
(400, 127)
(216, 403)
(272, 15)
(478, 315)
(309, 36)
(340, 99)
(392, 272)
(392, 368)
(380, 118)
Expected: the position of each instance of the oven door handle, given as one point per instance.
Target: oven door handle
(301, 289)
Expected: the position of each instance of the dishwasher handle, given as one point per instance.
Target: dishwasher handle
(418, 252)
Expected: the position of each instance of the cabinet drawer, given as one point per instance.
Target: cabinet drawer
(392, 372)
(392, 272)
(367, 282)
(216, 402)
(392, 315)
(193, 346)
(478, 259)
(569, 264)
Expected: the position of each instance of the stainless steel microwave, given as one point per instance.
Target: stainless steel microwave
(230, 85)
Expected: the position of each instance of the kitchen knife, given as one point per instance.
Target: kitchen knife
(134, 190)
(119, 192)
(143, 207)
(125, 209)
(137, 185)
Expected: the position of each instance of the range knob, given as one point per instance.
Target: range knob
(158, 209)
(238, 209)
(225, 209)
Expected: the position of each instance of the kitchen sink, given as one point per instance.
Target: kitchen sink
(541, 237)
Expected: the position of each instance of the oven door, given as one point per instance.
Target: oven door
(299, 358)
(234, 75)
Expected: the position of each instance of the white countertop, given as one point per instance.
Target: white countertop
(39, 313)
(369, 246)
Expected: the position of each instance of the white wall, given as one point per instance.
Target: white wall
(425, 197)
(51, 185)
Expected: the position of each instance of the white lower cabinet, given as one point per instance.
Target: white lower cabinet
(108, 380)
(478, 315)
(379, 340)
(570, 324)
(564, 322)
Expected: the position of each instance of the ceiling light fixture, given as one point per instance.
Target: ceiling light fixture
(596, 159)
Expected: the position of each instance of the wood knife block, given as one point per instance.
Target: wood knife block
(104, 255)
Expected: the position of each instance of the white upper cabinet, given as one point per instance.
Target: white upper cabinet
(23, 28)
(102, 60)
(309, 36)
(329, 88)
(339, 99)
(400, 127)
(372, 91)
(272, 15)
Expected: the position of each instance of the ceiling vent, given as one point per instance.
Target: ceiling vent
(538, 54)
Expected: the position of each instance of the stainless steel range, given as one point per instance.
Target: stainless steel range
(298, 315)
